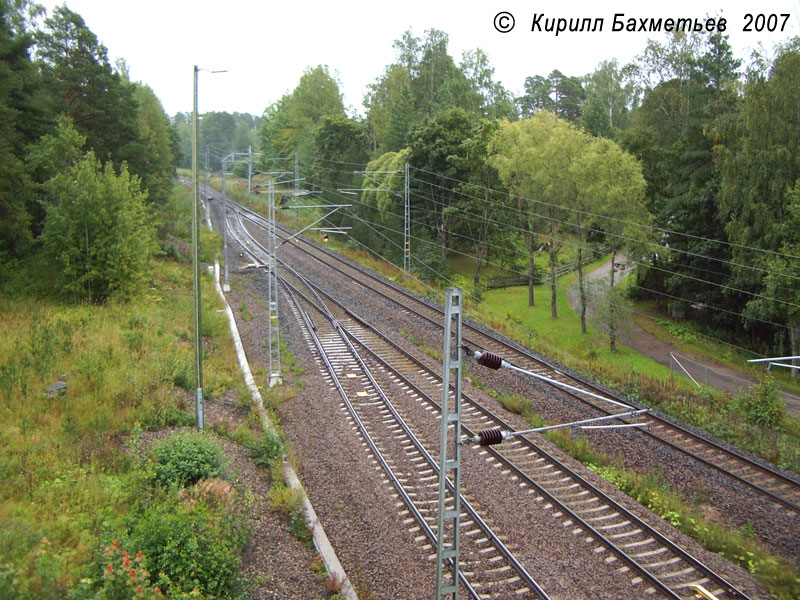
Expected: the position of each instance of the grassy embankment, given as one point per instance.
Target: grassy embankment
(75, 477)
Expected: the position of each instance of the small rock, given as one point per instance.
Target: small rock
(58, 388)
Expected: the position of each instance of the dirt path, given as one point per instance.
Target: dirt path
(702, 369)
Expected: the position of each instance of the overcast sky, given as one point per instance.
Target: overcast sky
(266, 45)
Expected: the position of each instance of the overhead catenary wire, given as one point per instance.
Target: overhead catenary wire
(661, 230)
(659, 268)
(590, 229)
(373, 226)
(476, 219)
(464, 213)
(427, 242)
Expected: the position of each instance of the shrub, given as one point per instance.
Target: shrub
(186, 458)
(267, 449)
(762, 404)
(123, 578)
(191, 548)
(98, 229)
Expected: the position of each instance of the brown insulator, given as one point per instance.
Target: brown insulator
(490, 437)
(490, 359)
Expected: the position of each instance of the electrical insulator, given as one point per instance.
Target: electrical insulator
(489, 359)
(490, 437)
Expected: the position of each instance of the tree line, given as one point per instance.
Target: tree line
(685, 161)
(85, 154)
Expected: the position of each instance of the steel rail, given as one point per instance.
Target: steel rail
(683, 554)
(466, 506)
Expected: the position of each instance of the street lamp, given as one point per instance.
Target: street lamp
(198, 361)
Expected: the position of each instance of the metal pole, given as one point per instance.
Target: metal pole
(406, 224)
(226, 283)
(198, 361)
(249, 170)
(296, 176)
(272, 292)
(450, 458)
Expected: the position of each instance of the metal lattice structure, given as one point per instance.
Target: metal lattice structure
(447, 544)
(272, 292)
(406, 223)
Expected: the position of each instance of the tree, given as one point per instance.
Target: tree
(97, 231)
(760, 170)
(425, 81)
(342, 147)
(216, 131)
(536, 97)
(436, 82)
(533, 157)
(780, 300)
(245, 137)
(491, 99)
(15, 187)
(435, 145)
(610, 86)
(610, 198)
(158, 161)
(81, 84)
(390, 109)
(380, 212)
(290, 124)
(182, 122)
(481, 193)
(595, 117)
(556, 93)
(568, 95)
(612, 314)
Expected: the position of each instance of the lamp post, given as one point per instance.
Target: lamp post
(198, 360)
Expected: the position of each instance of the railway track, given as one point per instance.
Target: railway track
(634, 549)
(488, 568)
(772, 484)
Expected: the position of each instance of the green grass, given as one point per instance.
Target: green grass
(68, 474)
(562, 338)
(688, 338)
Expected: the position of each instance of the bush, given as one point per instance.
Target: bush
(98, 229)
(123, 578)
(267, 449)
(186, 458)
(191, 547)
(762, 404)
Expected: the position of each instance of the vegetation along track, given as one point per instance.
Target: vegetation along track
(772, 484)
(634, 548)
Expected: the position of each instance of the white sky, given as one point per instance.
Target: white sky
(266, 45)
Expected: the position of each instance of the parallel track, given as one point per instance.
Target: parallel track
(488, 569)
(645, 555)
